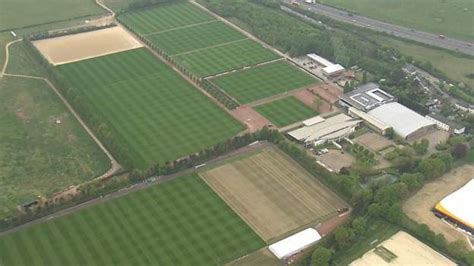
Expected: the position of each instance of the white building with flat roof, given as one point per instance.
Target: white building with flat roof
(295, 243)
(330, 129)
(329, 68)
(407, 123)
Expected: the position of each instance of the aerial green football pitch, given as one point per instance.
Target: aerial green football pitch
(198, 42)
(178, 222)
(225, 58)
(164, 17)
(260, 82)
(285, 111)
(195, 37)
(152, 113)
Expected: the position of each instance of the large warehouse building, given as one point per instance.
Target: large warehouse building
(406, 123)
(457, 207)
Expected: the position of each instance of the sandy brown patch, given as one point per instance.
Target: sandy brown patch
(308, 98)
(419, 206)
(373, 141)
(407, 251)
(250, 118)
(81, 46)
(335, 160)
(272, 193)
(327, 91)
(434, 137)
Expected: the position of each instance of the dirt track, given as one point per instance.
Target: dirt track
(419, 206)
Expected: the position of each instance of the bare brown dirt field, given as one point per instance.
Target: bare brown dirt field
(403, 249)
(373, 141)
(308, 98)
(272, 193)
(250, 118)
(335, 160)
(419, 206)
(331, 224)
(434, 138)
(81, 46)
(329, 92)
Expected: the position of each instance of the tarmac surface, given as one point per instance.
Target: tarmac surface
(398, 31)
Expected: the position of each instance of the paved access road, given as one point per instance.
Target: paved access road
(399, 31)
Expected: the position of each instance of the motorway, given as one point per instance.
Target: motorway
(398, 31)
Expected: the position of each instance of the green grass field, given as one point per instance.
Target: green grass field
(452, 18)
(164, 17)
(22, 61)
(38, 156)
(152, 112)
(205, 49)
(261, 82)
(195, 37)
(225, 58)
(455, 67)
(179, 222)
(285, 111)
(21, 13)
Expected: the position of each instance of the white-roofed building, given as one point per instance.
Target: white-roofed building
(295, 243)
(313, 121)
(405, 122)
(330, 129)
(369, 120)
(458, 206)
(329, 68)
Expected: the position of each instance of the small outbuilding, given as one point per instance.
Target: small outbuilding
(291, 245)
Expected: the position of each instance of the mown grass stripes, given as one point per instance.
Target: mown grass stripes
(263, 81)
(164, 17)
(179, 222)
(153, 113)
(285, 111)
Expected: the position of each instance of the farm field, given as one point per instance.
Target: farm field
(224, 58)
(86, 45)
(402, 249)
(456, 67)
(272, 193)
(164, 17)
(22, 61)
(442, 17)
(285, 111)
(19, 13)
(263, 81)
(195, 37)
(159, 225)
(39, 156)
(149, 110)
(419, 206)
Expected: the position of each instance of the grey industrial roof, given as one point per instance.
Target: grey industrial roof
(367, 96)
(403, 120)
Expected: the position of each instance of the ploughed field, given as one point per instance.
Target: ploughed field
(263, 81)
(285, 111)
(179, 222)
(151, 114)
(272, 193)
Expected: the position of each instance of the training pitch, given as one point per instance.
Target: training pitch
(285, 111)
(178, 222)
(272, 193)
(263, 81)
(152, 114)
(196, 40)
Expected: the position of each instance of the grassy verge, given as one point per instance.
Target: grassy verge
(38, 155)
